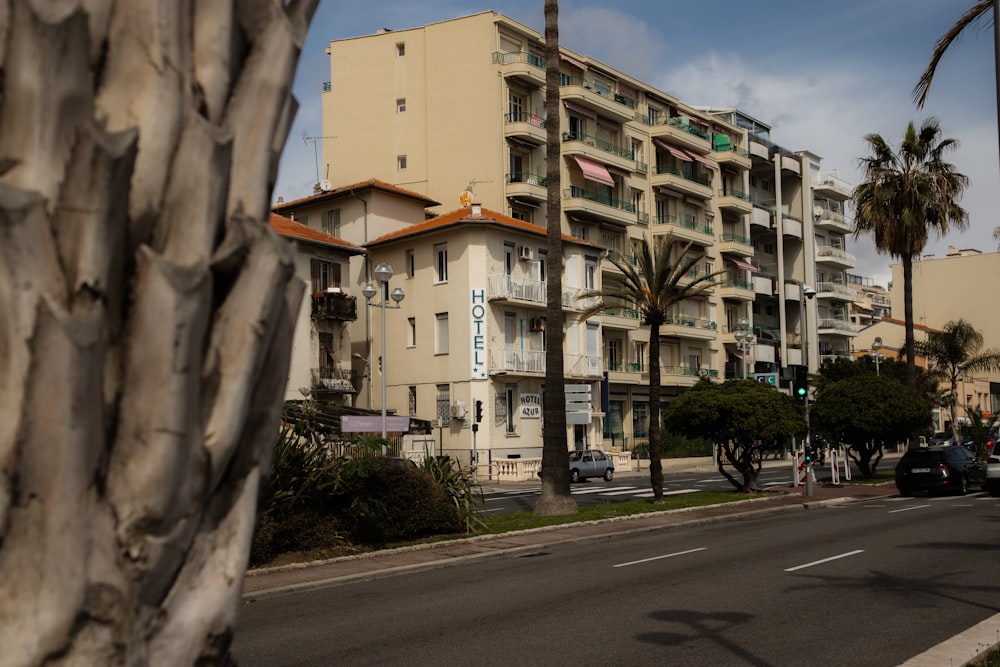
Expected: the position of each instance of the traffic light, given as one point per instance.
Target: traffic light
(800, 381)
(808, 453)
(479, 411)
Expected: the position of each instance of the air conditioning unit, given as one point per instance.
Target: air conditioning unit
(524, 252)
(458, 410)
(536, 324)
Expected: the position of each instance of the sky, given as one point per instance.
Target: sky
(823, 75)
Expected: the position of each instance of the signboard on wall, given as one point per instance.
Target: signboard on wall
(478, 333)
(531, 406)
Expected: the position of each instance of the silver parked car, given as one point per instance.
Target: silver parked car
(586, 463)
(993, 472)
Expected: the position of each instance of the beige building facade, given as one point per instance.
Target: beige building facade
(459, 112)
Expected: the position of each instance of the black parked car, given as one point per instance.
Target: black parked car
(950, 467)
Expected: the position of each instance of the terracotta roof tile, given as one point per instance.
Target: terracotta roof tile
(291, 229)
(465, 215)
(371, 183)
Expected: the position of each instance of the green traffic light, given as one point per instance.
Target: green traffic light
(802, 391)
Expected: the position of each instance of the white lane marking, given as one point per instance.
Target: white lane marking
(825, 560)
(649, 494)
(636, 489)
(647, 560)
(985, 498)
(907, 509)
(604, 489)
(707, 481)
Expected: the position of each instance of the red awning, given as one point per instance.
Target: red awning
(594, 171)
(741, 263)
(573, 61)
(677, 152)
(583, 111)
(704, 161)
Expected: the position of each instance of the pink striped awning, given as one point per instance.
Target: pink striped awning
(573, 61)
(708, 163)
(583, 111)
(594, 171)
(740, 262)
(677, 152)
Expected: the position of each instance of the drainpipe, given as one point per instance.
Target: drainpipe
(368, 314)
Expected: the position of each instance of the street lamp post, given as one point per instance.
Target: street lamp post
(744, 341)
(383, 272)
(806, 292)
(876, 355)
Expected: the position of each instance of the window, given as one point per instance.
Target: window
(508, 259)
(324, 274)
(441, 254)
(412, 399)
(542, 263)
(443, 403)
(330, 223)
(401, 105)
(518, 167)
(441, 334)
(515, 107)
(302, 220)
(640, 354)
(400, 49)
(401, 162)
(510, 398)
(411, 340)
(411, 264)
(326, 358)
(590, 273)
(520, 214)
(640, 419)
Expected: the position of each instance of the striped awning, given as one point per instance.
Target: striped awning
(594, 171)
(708, 163)
(740, 262)
(676, 152)
(583, 111)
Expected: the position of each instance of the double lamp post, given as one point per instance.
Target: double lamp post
(383, 272)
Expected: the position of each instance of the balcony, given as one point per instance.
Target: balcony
(599, 206)
(621, 318)
(734, 201)
(791, 163)
(836, 256)
(761, 217)
(830, 290)
(517, 361)
(525, 185)
(734, 158)
(833, 187)
(686, 376)
(735, 288)
(681, 131)
(688, 184)
(736, 244)
(526, 68)
(598, 98)
(836, 325)
(791, 227)
(582, 366)
(602, 151)
(528, 127)
(616, 256)
(689, 327)
(625, 371)
(833, 221)
(685, 228)
(334, 306)
(329, 378)
(523, 290)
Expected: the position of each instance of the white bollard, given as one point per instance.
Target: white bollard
(847, 467)
(834, 468)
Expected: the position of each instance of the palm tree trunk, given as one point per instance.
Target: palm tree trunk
(910, 344)
(555, 496)
(996, 58)
(655, 448)
(148, 312)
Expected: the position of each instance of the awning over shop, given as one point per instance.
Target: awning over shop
(594, 171)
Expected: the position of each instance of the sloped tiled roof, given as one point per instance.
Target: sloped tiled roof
(296, 230)
(370, 184)
(465, 216)
(916, 326)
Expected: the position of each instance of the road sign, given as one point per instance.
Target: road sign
(767, 378)
(373, 424)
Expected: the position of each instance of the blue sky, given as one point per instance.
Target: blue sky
(822, 74)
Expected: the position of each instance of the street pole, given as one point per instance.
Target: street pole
(383, 273)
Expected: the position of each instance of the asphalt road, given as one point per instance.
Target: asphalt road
(863, 584)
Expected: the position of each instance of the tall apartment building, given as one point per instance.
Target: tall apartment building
(458, 106)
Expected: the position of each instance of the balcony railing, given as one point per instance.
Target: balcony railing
(835, 253)
(503, 286)
(330, 378)
(686, 222)
(334, 306)
(519, 57)
(629, 313)
(738, 284)
(580, 193)
(526, 177)
(599, 89)
(742, 152)
(842, 291)
(616, 256)
(689, 371)
(525, 117)
(624, 366)
(691, 322)
(736, 238)
(837, 324)
(601, 144)
(515, 360)
(730, 192)
(674, 171)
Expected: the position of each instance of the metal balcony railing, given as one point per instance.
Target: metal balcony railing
(331, 378)
(334, 306)
(580, 193)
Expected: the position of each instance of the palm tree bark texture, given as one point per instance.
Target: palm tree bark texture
(147, 319)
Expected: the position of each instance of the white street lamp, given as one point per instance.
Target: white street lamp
(806, 292)
(876, 355)
(383, 273)
(744, 341)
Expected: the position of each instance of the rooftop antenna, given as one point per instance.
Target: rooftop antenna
(306, 139)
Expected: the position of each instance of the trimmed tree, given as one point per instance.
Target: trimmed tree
(864, 412)
(742, 417)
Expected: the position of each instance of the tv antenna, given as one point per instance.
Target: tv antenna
(306, 139)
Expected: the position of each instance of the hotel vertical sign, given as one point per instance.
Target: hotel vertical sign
(478, 304)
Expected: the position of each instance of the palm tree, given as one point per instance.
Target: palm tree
(956, 350)
(977, 12)
(903, 196)
(555, 496)
(665, 276)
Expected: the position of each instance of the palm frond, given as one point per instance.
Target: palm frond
(923, 86)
